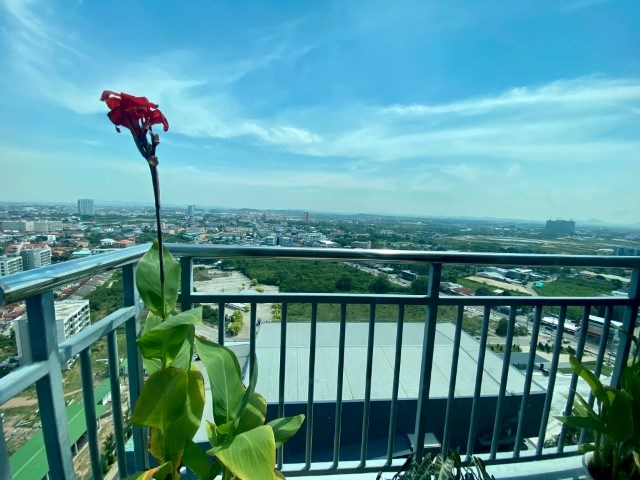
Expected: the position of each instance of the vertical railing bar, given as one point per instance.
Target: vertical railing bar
(116, 401)
(628, 327)
(582, 336)
(602, 346)
(221, 325)
(252, 338)
(135, 367)
(471, 440)
(435, 272)
(552, 379)
(535, 331)
(452, 381)
(396, 385)
(186, 283)
(312, 368)
(5, 471)
(341, 347)
(43, 337)
(281, 378)
(504, 377)
(367, 386)
(88, 396)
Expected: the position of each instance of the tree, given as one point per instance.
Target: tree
(209, 314)
(501, 329)
(344, 284)
(380, 285)
(419, 286)
(483, 292)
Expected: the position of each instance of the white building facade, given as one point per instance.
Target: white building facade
(10, 265)
(35, 258)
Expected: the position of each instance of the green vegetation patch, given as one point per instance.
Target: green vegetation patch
(574, 287)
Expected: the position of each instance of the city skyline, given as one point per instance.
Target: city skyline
(515, 110)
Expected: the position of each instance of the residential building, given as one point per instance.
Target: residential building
(191, 210)
(17, 225)
(35, 257)
(86, 207)
(270, 240)
(72, 316)
(285, 241)
(306, 217)
(10, 265)
(47, 226)
(627, 251)
(361, 244)
(559, 228)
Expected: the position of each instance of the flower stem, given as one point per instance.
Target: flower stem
(153, 166)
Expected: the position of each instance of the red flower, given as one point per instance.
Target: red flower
(135, 113)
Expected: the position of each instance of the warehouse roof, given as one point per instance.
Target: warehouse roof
(326, 365)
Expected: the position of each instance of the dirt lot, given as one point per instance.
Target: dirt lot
(498, 284)
(233, 282)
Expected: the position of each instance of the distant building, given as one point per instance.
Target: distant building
(18, 225)
(361, 244)
(559, 228)
(408, 275)
(35, 257)
(126, 243)
(72, 316)
(86, 207)
(285, 241)
(191, 210)
(627, 251)
(10, 265)
(306, 217)
(47, 226)
(270, 240)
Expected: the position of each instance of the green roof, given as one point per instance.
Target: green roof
(30, 461)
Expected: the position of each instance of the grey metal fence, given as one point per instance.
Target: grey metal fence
(36, 287)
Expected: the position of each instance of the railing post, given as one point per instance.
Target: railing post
(186, 283)
(134, 364)
(43, 337)
(435, 272)
(5, 471)
(628, 326)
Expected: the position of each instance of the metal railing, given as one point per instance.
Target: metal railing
(36, 288)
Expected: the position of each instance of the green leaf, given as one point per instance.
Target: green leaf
(148, 281)
(162, 399)
(249, 390)
(285, 428)
(587, 375)
(254, 413)
(158, 473)
(196, 460)
(225, 380)
(583, 422)
(279, 475)
(620, 421)
(250, 455)
(151, 365)
(167, 339)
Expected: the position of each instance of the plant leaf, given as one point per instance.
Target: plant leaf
(158, 473)
(587, 375)
(148, 280)
(225, 380)
(620, 419)
(151, 365)
(249, 455)
(285, 428)
(167, 338)
(196, 460)
(254, 414)
(162, 399)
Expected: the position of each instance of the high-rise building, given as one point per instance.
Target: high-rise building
(191, 210)
(559, 228)
(306, 217)
(85, 207)
(35, 258)
(10, 265)
(627, 251)
(72, 316)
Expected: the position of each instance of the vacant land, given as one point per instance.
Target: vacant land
(574, 287)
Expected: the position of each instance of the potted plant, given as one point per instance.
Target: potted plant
(171, 403)
(442, 467)
(614, 425)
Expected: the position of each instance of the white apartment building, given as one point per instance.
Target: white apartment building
(72, 316)
(47, 226)
(10, 265)
(35, 258)
(17, 225)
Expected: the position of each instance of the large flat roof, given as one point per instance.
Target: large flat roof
(326, 365)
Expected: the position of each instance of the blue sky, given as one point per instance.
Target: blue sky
(523, 109)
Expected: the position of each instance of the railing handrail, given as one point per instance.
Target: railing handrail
(19, 286)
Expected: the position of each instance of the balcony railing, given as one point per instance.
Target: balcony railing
(36, 288)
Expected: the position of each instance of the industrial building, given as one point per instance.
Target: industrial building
(325, 387)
